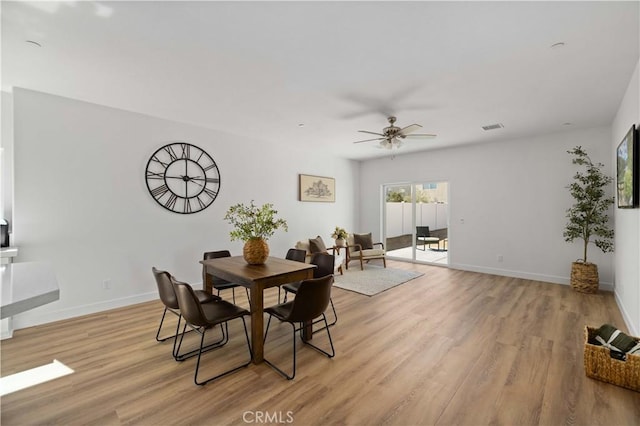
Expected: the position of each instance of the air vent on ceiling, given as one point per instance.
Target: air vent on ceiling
(493, 126)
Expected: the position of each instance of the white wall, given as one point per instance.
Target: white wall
(505, 198)
(627, 221)
(81, 200)
(6, 159)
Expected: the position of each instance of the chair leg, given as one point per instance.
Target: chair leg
(285, 375)
(249, 296)
(326, 327)
(267, 329)
(162, 339)
(335, 318)
(174, 351)
(181, 357)
(335, 315)
(293, 374)
(210, 379)
(160, 327)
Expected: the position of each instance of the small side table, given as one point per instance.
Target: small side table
(336, 252)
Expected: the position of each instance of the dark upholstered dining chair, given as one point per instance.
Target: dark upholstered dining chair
(204, 316)
(296, 255)
(325, 266)
(311, 300)
(170, 302)
(220, 283)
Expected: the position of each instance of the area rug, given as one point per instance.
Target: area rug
(373, 280)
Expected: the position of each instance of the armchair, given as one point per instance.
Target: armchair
(360, 247)
(319, 247)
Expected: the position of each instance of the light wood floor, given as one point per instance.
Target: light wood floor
(448, 348)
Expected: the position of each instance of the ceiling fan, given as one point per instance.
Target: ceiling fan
(393, 136)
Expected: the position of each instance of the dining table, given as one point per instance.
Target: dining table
(273, 273)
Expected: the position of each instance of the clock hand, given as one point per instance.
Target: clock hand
(185, 178)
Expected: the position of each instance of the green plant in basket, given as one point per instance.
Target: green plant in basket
(588, 219)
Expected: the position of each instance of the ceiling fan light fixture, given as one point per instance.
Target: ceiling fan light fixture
(391, 143)
(393, 136)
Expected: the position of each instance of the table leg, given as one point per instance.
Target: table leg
(307, 331)
(257, 324)
(207, 285)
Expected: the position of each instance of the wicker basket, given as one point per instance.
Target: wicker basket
(600, 365)
(584, 277)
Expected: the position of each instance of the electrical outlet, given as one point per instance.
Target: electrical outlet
(106, 284)
(499, 258)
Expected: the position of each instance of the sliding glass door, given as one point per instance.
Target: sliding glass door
(416, 221)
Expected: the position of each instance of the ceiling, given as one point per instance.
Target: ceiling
(312, 74)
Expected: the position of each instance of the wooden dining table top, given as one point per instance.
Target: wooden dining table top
(270, 274)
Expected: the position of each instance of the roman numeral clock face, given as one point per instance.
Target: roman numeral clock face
(182, 178)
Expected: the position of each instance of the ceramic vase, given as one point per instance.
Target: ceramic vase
(255, 251)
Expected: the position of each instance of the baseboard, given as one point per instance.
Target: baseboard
(31, 318)
(523, 275)
(6, 331)
(626, 317)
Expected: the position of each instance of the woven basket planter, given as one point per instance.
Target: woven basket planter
(255, 251)
(600, 365)
(584, 277)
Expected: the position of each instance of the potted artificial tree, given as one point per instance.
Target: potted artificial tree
(588, 219)
(254, 225)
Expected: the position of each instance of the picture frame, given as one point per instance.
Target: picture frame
(627, 175)
(320, 189)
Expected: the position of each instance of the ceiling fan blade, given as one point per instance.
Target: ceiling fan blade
(421, 136)
(373, 133)
(369, 140)
(409, 129)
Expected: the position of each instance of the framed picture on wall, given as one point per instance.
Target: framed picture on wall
(317, 188)
(627, 170)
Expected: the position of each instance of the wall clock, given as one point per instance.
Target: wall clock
(182, 178)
